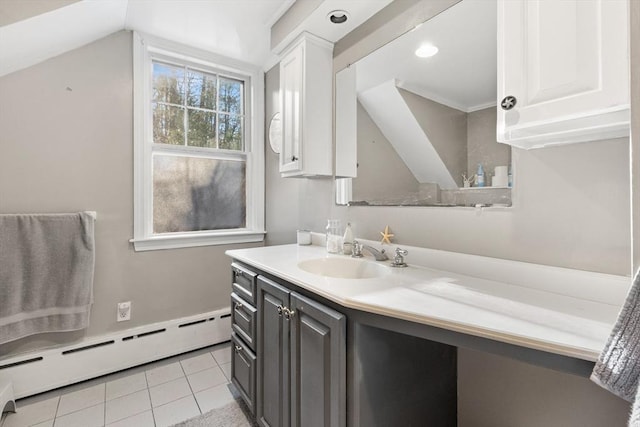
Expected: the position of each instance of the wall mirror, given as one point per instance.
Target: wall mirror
(416, 116)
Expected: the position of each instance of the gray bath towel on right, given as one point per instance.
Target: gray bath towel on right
(618, 367)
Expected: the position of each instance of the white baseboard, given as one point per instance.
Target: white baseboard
(45, 370)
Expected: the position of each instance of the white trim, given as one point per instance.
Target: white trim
(146, 48)
(128, 349)
(186, 240)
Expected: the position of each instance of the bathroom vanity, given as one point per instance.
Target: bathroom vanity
(312, 328)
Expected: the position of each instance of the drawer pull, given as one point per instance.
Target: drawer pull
(238, 349)
(239, 273)
(239, 306)
(280, 310)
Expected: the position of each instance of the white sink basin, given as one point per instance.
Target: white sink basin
(344, 268)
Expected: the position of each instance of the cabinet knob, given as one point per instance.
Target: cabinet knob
(508, 102)
(238, 349)
(238, 306)
(280, 310)
(294, 158)
(239, 273)
(288, 314)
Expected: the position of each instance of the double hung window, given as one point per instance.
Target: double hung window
(198, 160)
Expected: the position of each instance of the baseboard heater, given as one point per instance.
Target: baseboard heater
(45, 370)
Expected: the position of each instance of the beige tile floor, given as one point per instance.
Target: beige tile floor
(154, 395)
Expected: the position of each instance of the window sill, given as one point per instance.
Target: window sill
(188, 240)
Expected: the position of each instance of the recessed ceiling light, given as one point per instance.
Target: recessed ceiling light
(338, 16)
(426, 50)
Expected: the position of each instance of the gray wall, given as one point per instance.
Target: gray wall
(446, 129)
(495, 391)
(382, 174)
(482, 146)
(571, 208)
(298, 11)
(66, 145)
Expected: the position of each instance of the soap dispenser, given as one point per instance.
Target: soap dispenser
(347, 240)
(480, 176)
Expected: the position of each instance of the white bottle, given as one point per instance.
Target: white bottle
(480, 176)
(347, 240)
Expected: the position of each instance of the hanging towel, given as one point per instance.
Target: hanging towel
(618, 367)
(46, 273)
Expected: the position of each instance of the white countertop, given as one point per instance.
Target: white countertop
(513, 308)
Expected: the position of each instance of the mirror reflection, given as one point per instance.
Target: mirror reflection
(425, 115)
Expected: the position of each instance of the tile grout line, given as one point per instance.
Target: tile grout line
(189, 384)
(55, 415)
(104, 409)
(153, 414)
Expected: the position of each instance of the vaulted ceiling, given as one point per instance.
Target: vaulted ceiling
(34, 30)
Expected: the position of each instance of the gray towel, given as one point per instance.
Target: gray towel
(46, 273)
(618, 367)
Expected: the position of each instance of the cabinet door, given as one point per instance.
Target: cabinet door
(318, 361)
(566, 64)
(291, 80)
(272, 398)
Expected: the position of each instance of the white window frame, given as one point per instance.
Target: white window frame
(146, 49)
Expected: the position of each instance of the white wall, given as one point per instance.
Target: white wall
(66, 144)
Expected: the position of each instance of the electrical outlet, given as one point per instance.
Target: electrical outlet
(124, 311)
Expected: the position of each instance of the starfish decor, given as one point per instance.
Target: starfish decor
(386, 236)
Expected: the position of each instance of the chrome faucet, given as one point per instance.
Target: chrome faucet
(379, 255)
(398, 260)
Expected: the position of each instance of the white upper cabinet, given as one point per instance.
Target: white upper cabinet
(563, 71)
(305, 90)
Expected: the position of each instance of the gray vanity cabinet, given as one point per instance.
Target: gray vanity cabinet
(301, 378)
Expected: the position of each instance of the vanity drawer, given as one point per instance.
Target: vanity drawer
(244, 282)
(243, 371)
(243, 319)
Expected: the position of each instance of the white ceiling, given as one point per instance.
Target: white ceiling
(32, 31)
(461, 75)
(235, 28)
(16, 10)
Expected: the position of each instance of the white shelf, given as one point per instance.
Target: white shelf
(484, 188)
